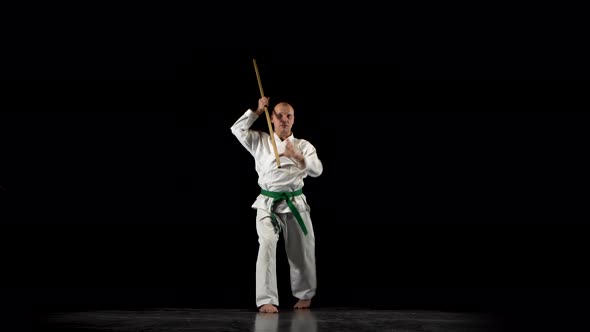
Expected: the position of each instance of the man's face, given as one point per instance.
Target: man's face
(282, 119)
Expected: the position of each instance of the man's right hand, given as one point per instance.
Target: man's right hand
(262, 102)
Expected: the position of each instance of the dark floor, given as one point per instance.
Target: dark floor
(324, 319)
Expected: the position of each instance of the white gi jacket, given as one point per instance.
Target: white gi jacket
(289, 177)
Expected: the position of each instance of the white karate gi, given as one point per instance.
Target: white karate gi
(300, 248)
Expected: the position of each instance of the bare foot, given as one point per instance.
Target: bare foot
(268, 308)
(302, 304)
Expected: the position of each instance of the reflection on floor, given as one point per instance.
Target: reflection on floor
(322, 319)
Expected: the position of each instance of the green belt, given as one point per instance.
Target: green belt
(280, 196)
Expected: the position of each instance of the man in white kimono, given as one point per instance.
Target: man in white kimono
(281, 205)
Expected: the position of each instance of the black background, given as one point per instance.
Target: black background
(123, 186)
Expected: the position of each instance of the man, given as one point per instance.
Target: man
(281, 205)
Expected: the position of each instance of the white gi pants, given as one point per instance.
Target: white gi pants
(300, 249)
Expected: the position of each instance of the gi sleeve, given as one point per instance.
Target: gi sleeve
(313, 165)
(241, 129)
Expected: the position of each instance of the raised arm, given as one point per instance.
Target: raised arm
(241, 128)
